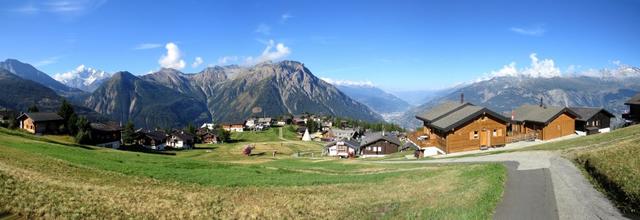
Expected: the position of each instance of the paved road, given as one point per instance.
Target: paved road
(543, 185)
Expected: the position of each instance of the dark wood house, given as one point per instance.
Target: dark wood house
(40, 122)
(106, 135)
(543, 122)
(379, 145)
(154, 140)
(633, 115)
(592, 120)
(460, 126)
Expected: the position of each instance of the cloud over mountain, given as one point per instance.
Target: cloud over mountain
(173, 58)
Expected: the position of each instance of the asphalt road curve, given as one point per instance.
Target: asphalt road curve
(528, 194)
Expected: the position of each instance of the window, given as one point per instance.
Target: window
(597, 123)
(474, 135)
(495, 132)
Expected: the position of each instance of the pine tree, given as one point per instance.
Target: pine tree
(127, 133)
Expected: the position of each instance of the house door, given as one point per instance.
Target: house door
(485, 137)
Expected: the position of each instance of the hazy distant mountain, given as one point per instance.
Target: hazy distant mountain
(126, 97)
(377, 99)
(286, 87)
(27, 71)
(83, 78)
(604, 88)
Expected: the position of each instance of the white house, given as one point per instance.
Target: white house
(342, 148)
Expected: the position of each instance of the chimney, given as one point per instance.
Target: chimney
(461, 98)
(541, 105)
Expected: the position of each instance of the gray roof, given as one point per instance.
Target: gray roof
(409, 145)
(42, 116)
(105, 127)
(440, 110)
(586, 113)
(350, 143)
(457, 115)
(450, 119)
(183, 136)
(373, 137)
(536, 113)
(635, 100)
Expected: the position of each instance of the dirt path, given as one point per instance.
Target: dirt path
(543, 185)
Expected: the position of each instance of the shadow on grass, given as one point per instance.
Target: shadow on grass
(629, 206)
(141, 149)
(40, 138)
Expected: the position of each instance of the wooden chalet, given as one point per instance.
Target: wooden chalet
(181, 140)
(106, 135)
(40, 122)
(379, 145)
(207, 136)
(543, 122)
(154, 140)
(342, 148)
(460, 126)
(633, 115)
(233, 127)
(592, 120)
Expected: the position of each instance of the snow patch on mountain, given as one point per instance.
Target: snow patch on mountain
(82, 77)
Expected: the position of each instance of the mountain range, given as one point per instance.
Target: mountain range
(603, 88)
(169, 98)
(287, 87)
(376, 98)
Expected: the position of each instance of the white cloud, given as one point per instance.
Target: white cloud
(146, 46)
(66, 8)
(263, 29)
(507, 70)
(616, 62)
(347, 82)
(47, 61)
(272, 52)
(537, 30)
(227, 59)
(538, 68)
(197, 62)
(284, 17)
(173, 58)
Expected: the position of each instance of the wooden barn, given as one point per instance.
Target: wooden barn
(633, 115)
(458, 126)
(379, 145)
(592, 120)
(543, 122)
(106, 134)
(40, 122)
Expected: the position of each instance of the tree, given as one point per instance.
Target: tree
(312, 125)
(223, 135)
(33, 108)
(84, 131)
(67, 113)
(127, 133)
(190, 129)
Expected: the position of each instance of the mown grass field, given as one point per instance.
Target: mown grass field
(42, 178)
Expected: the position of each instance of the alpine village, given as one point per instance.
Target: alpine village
(355, 134)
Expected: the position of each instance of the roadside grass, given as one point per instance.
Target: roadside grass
(615, 170)
(40, 179)
(595, 140)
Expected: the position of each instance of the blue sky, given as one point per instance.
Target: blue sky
(397, 45)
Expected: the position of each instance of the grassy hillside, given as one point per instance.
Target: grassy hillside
(40, 178)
